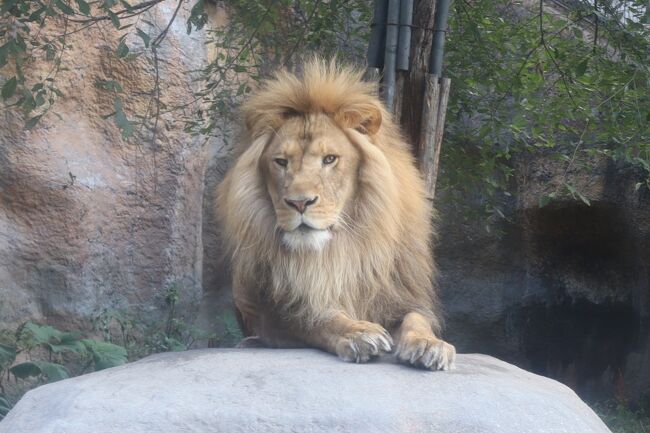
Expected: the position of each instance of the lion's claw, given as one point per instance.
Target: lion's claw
(427, 352)
(363, 344)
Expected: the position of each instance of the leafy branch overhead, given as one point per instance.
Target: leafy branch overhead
(529, 78)
(551, 82)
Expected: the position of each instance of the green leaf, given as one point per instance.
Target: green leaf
(52, 371)
(66, 9)
(145, 37)
(108, 85)
(198, 17)
(231, 325)
(9, 88)
(577, 194)
(173, 345)
(7, 5)
(122, 49)
(105, 355)
(4, 52)
(121, 120)
(31, 123)
(25, 370)
(67, 342)
(84, 8)
(546, 199)
(33, 334)
(7, 355)
(577, 31)
(114, 19)
(581, 68)
(5, 406)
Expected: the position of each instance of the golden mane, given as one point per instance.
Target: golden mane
(381, 267)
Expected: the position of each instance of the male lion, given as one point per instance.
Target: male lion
(327, 224)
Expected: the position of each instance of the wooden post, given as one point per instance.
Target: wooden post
(412, 93)
(426, 145)
(434, 110)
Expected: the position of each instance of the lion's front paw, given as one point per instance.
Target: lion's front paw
(426, 351)
(366, 340)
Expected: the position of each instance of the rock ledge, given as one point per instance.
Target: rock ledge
(266, 390)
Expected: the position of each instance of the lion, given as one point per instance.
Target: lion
(327, 225)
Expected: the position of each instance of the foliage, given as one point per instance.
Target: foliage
(264, 35)
(141, 338)
(35, 354)
(573, 85)
(261, 34)
(620, 418)
(40, 354)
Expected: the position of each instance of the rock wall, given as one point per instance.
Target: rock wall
(90, 221)
(563, 290)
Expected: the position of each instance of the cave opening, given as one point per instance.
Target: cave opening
(585, 320)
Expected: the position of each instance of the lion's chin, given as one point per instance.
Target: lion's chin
(306, 239)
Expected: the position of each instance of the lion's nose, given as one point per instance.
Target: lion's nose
(301, 204)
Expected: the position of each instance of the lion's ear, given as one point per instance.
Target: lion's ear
(250, 157)
(365, 118)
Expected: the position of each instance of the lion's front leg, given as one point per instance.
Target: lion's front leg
(352, 340)
(418, 345)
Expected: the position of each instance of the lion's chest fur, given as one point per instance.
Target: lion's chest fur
(314, 284)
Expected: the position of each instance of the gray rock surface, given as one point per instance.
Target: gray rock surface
(265, 390)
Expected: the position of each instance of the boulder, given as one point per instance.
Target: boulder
(265, 390)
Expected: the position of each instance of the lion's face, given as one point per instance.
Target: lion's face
(310, 170)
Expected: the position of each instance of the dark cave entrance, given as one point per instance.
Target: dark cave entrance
(585, 318)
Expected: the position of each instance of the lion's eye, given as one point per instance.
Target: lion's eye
(329, 159)
(281, 162)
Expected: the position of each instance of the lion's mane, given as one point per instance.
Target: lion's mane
(380, 267)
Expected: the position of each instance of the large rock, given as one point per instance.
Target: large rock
(301, 391)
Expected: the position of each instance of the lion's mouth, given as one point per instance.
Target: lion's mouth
(306, 237)
(306, 228)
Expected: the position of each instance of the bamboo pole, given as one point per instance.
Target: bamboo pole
(390, 54)
(404, 40)
(440, 31)
(375, 55)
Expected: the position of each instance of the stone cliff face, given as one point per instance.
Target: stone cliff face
(563, 290)
(90, 221)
